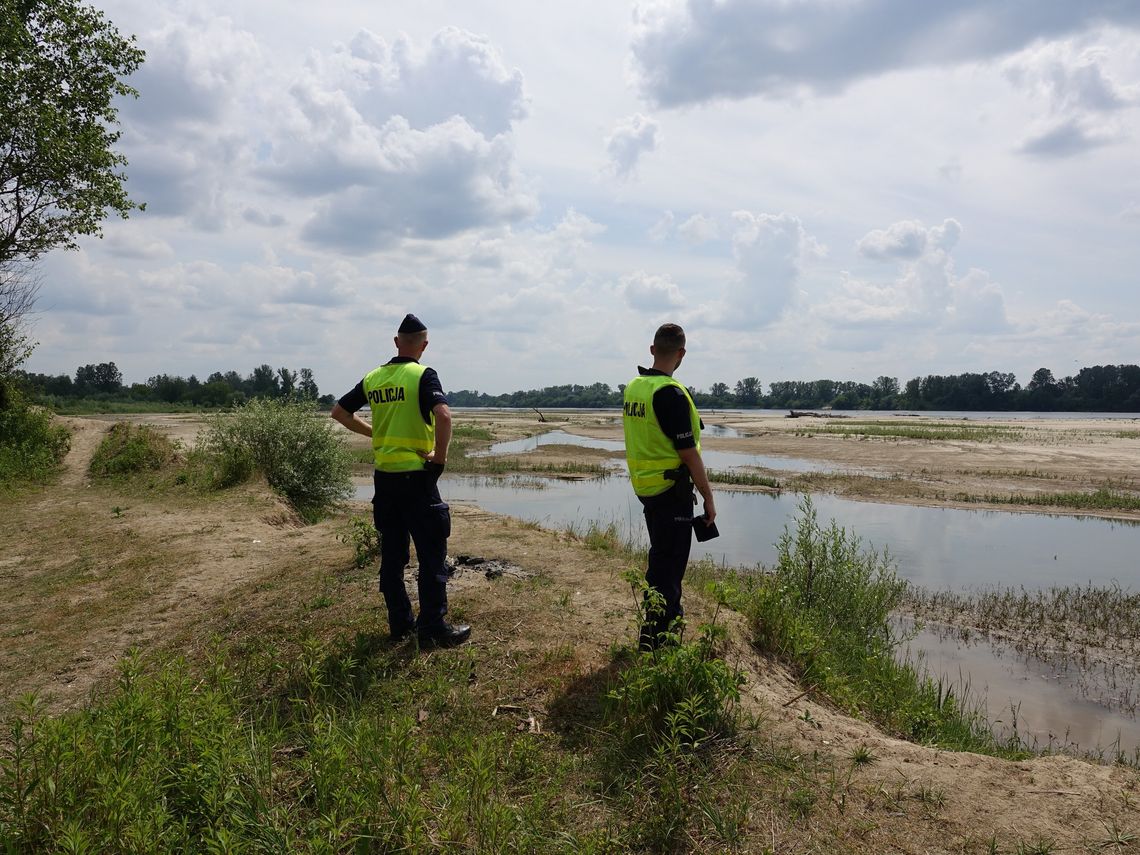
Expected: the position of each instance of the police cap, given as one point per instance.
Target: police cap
(411, 324)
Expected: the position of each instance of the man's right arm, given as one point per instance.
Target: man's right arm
(344, 411)
(351, 421)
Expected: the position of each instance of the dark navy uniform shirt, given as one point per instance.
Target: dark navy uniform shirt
(431, 392)
(672, 410)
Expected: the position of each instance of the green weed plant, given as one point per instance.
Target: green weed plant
(667, 718)
(287, 441)
(361, 535)
(742, 479)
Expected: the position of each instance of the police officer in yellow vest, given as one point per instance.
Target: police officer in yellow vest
(663, 452)
(410, 431)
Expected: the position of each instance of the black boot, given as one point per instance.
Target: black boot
(444, 635)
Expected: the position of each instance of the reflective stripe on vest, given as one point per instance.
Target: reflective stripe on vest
(398, 428)
(648, 451)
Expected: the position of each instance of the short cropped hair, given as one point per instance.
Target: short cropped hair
(411, 339)
(668, 339)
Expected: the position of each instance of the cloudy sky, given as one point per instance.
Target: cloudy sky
(812, 188)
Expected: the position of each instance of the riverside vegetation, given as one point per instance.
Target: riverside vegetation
(300, 729)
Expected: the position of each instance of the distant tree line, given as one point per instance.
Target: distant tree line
(1101, 388)
(104, 383)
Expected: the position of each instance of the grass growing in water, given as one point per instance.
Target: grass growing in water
(905, 430)
(742, 479)
(459, 462)
(825, 608)
(1099, 500)
(1093, 631)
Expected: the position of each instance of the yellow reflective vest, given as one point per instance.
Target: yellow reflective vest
(648, 451)
(398, 428)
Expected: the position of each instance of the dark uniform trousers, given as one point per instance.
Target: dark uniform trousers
(407, 506)
(669, 519)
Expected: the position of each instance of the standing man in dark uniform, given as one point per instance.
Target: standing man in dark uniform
(663, 452)
(410, 430)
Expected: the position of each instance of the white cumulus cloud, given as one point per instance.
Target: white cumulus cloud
(927, 293)
(648, 293)
(908, 240)
(628, 141)
(769, 252)
(1081, 98)
(699, 229)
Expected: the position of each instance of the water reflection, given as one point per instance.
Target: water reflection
(712, 459)
(722, 432)
(554, 437)
(1044, 704)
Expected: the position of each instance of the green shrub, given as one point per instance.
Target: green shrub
(826, 610)
(825, 573)
(127, 449)
(31, 447)
(287, 441)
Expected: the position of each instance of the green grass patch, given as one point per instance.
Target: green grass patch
(906, 430)
(354, 753)
(608, 537)
(353, 745)
(468, 431)
(1099, 500)
(742, 479)
(128, 449)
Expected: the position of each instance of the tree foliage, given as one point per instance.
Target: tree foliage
(62, 64)
(103, 382)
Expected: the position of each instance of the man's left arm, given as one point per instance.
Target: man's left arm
(672, 408)
(438, 455)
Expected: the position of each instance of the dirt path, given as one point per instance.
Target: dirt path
(93, 572)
